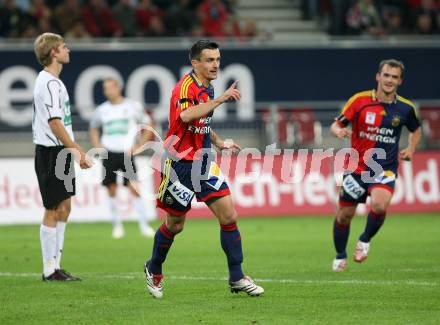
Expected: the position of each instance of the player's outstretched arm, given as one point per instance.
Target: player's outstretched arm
(413, 140)
(198, 111)
(340, 132)
(222, 144)
(60, 132)
(145, 136)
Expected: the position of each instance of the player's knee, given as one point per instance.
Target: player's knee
(111, 190)
(175, 226)
(379, 208)
(228, 217)
(344, 217)
(50, 217)
(63, 212)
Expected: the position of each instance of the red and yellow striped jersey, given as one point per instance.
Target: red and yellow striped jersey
(377, 125)
(184, 140)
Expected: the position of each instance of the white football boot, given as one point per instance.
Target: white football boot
(118, 232)
(154, 283)
(361, 251)
(339, 265)
(146, 230)
(246, 285)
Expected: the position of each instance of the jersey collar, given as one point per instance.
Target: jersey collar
(198, 82)
(374, 97)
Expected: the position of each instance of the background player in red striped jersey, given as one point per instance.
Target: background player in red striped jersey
(377, 118)
(188, 170)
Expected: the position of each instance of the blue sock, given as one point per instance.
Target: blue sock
(162, 243)
(340, 238)
(231, 243)
(374, 222)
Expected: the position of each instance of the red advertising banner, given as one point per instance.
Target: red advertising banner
(261, 185)
(307, 185)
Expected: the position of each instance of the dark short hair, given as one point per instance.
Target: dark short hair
(199, 46)
(392, 63)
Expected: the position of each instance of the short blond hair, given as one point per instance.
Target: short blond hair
(43, 46)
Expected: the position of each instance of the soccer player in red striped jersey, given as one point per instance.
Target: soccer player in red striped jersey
(377, 118)
(188, 170)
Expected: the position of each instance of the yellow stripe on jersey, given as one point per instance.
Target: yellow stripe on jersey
(354, 97)
(184, 91)
(388, 173)
(406, 101)
(187, 78)
(166, 178)
(182, 87)
(186, 105)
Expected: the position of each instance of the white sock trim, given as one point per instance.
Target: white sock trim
(48, 238)
(116, 220)
(140, 209)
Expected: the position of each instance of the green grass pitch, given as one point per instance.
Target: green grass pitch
(289, 257)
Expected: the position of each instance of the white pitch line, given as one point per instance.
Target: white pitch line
(139, 275)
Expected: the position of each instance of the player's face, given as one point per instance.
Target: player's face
(111, 89)
(389, 79)
(62, 54)
(209, 64)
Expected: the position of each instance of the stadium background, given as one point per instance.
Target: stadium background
(297, 62)
(291, 93)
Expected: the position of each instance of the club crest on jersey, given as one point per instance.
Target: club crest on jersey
(370, 118)
(395, 121)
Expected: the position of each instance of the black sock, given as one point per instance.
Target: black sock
(340, 238)
(162, 243)
(374, 222)
(231, 243)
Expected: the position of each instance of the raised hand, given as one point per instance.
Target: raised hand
(232, 93)
(343, 133)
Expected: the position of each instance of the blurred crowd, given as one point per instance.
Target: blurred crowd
(375, 17)
(123, 18)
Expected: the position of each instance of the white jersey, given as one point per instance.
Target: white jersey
(120, 124)
(51, 101)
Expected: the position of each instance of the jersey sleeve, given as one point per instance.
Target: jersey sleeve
(348, 112)
(187, 97)
(96, 122)
(52, 100)
(413, 122)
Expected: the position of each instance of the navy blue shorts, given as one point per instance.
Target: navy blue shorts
(184, 179)
(354, 190)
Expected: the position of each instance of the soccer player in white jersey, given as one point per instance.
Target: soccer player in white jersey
(52, 134)
(121, 120)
